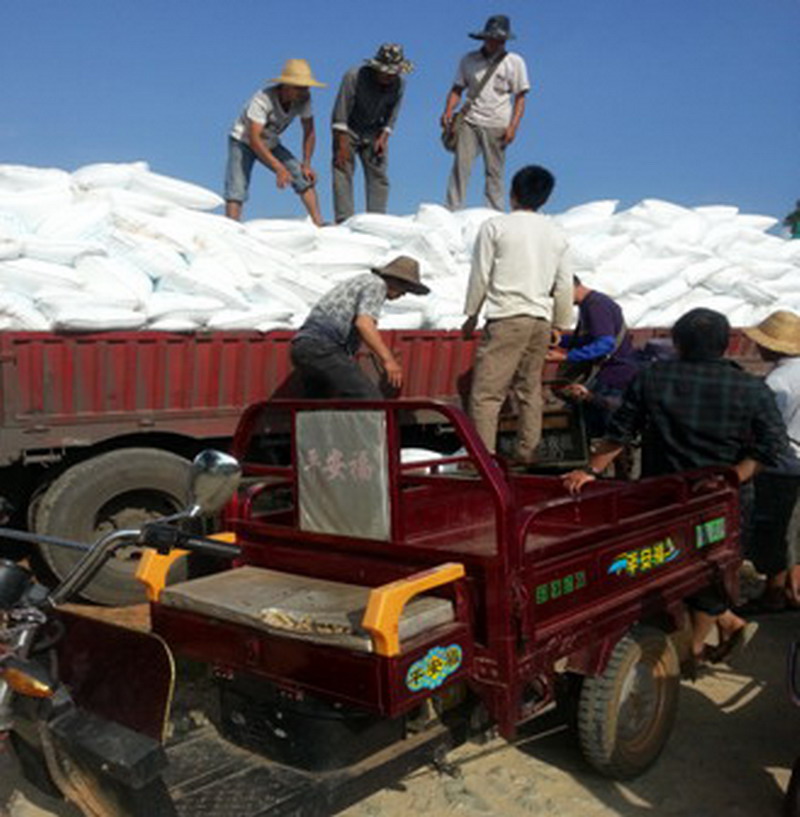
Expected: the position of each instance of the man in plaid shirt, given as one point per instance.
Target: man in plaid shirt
(696, 411)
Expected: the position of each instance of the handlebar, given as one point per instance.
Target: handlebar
(165, 538)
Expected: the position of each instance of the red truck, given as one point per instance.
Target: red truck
(97, 430)
(376, 613)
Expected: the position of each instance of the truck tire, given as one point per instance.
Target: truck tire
(625, 715)
(116, 490)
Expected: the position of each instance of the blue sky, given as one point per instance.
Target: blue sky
(694, 101)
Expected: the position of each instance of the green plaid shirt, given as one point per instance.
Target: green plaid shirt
(697, 413)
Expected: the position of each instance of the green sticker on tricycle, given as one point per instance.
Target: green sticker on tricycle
(706, 533)
(563, 586)
(433, 669)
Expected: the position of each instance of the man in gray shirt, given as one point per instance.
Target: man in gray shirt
(256, 135)
(364, 115)
(324, 348)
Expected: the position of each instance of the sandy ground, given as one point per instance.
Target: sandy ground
(730, 754)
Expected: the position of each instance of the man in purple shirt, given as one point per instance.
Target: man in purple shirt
(600, 349)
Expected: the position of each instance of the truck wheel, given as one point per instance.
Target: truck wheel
(625, 715)
(113, 491)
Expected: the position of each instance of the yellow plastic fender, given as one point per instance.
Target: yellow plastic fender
(154, 567)
(385, 604)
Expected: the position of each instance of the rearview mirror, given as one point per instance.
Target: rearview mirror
(214, 479)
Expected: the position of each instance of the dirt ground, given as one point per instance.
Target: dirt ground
(736, 737)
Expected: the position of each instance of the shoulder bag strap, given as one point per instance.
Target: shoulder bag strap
(482, 84)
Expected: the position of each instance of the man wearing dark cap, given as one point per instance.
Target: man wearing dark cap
(491, 113)
(364, 116)
(324, 348)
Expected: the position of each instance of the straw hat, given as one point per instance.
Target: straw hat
(406, 271)
(779, 332)
(297, 72)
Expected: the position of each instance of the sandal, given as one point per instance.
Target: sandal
(734, 644)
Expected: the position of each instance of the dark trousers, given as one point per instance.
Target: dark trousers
(776, 496)
(327, 370)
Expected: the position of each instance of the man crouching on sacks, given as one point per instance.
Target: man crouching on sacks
(256, 135)
(324, 348)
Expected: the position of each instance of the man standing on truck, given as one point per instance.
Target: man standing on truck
(324, 348)
(521, 270)
(256, 135)
(496, 82)
(695, 411)
(364, 116)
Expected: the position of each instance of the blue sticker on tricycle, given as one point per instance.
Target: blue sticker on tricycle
(643, 560)
(434, 668)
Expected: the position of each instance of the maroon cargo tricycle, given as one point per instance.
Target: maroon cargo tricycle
(377, 611)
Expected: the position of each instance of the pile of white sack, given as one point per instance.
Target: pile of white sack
(119, 247)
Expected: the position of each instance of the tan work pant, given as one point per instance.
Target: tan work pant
(473, 140)
(510, 355)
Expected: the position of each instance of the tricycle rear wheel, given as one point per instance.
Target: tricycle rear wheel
(625, 714)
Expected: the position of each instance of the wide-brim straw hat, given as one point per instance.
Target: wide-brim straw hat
(406, 271)
(297, 72)
(778, 332)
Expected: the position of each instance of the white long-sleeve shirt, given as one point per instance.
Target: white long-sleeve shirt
(521, 266)
(784, 380)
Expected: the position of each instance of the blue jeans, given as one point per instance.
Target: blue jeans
(241, 159)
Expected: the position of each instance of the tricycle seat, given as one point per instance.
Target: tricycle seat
(299, 607)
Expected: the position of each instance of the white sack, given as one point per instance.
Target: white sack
(107, 277)
(17, 178)
(20, 314)
(107, 174)
(98, 320)
(177, 191)
(26, 275)
(56, 251)
(10, 248)
(33, 207)
(87, 220)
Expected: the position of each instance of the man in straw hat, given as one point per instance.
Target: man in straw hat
(775, 548)
(256, 135)
(695, 411)
(324, 348)
(364, 117)
(495, 109)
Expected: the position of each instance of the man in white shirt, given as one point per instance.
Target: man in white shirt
(255, 135)
(775, 535)
(493, 116)
(522, 273)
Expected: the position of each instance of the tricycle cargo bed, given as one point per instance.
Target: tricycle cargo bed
(528, 580)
